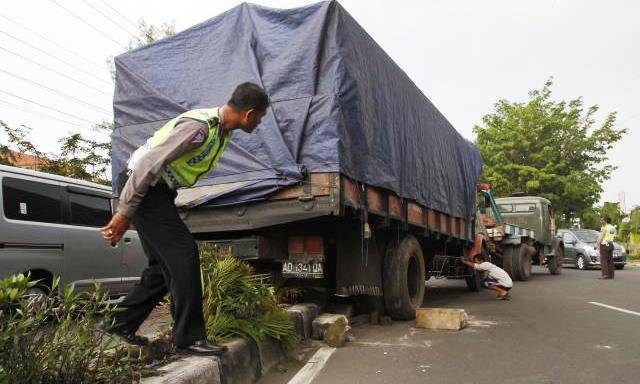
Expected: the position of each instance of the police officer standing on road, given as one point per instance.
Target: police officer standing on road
(180, 153)
(605, 243)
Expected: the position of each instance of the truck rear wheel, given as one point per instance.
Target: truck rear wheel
(517, 261)
(403, 278)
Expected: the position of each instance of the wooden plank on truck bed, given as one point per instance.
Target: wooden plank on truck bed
(322, 184)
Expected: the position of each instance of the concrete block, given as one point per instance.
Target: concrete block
(332, 328)
(188, 370)
(271, 353)
(302, 316)
(241, 363)
(441, 318)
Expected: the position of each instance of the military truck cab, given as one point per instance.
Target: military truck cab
(536, 214)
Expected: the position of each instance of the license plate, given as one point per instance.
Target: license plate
(312, 270)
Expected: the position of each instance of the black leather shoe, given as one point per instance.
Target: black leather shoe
(203, 347)
(132, 338)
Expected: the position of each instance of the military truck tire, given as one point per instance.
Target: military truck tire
(403, 278)
(517, 261)
(508, 252)
(555, 264)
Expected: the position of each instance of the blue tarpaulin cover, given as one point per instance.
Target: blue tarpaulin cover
(339, 104)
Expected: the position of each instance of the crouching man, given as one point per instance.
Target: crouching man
(497, 279)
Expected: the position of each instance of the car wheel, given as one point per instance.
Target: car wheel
(581, 263)
(620, 266)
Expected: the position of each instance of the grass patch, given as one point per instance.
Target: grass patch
(59, 339)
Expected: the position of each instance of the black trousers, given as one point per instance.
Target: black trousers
(174, 266)
(607, 267)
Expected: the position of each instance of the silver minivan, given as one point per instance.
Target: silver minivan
(50, 226)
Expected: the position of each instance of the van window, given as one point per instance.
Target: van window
(92, 211)
(31, 200)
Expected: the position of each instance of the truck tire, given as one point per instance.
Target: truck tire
(517, 261)
(508, 257)
(403, 278)
(474, 282)
(555, 264)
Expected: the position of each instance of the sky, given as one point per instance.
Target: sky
(463, 55)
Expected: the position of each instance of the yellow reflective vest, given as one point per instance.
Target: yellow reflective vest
(187, 169)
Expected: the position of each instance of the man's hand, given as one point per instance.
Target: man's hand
(116, 228)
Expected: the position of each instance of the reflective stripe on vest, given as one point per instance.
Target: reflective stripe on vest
(186, 170)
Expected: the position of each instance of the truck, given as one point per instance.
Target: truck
(354, 184)
(518, 232)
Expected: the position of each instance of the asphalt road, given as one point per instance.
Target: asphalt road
(548, 333)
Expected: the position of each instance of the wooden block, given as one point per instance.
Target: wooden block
(441, 318)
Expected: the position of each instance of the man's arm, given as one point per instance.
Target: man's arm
(187, 135)
(468, 263)
(600, 237)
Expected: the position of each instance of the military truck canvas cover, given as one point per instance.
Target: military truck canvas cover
(339, 104)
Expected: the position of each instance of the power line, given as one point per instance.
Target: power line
(113, 21)
(120, 14)
(89, 24)
(55, 57)
(54, 71)
(25, 109)
(47, 107)
(56, 91)
(101, 66)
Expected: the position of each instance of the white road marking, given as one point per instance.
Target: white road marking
(423, 344)
(313, 366)
(615, 308)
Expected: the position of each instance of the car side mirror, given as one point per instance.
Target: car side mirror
(570, 242)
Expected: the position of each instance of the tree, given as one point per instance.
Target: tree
(547, 148)
(6, 157)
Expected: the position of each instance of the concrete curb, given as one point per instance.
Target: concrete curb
(244, 363)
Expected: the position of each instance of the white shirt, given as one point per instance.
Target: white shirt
(495, 273)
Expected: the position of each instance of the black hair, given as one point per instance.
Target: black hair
(249, 96)
(607, 219)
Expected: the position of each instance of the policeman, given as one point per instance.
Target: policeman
(605, 243)
(180, 153)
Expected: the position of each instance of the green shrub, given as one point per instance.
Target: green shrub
(59, 339)
(237, 301)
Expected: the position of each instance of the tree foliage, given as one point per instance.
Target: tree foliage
(79, 158)
(553, 149)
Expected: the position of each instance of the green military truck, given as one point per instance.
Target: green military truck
(520, 231)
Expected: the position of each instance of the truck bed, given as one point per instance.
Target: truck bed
(322, 194)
